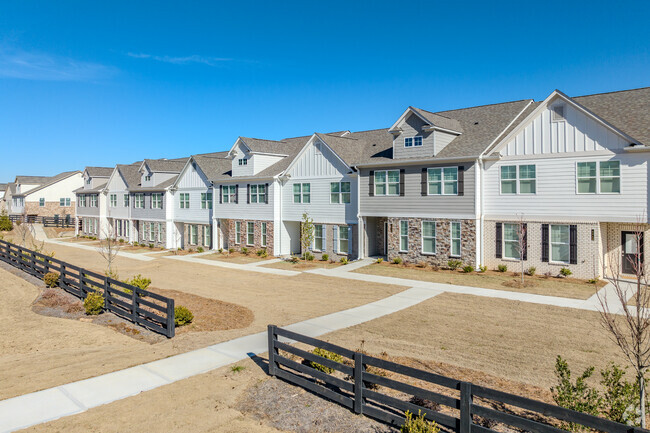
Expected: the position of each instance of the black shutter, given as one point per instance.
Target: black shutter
(461, 180)
(573, 244)
(371, 183)
(248, 193)
(401, 182)
(220, 194)
(524, 232)
(423, 182)
(266, 196)
(237, 193)
(499, 237)
(545, 242)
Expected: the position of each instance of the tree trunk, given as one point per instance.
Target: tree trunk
(642, 398)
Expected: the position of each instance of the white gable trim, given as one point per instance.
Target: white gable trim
(408, 111)
(310, 142)
(488, 149)
(188, 164)
(234, 146)
(544, 105)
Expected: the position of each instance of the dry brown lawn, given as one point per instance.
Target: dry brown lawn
(539, 285)
(303, 265)
(239, 258)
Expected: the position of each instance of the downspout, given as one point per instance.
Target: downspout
(481, 252)
(360, 222)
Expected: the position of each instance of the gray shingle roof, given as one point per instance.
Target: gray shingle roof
(266, 146)
(3, 187)
(439, 121)
(32, 180)
(215, 165)
(130, 174)
(48, 182)
(99, 171)
(96, 189)
(166, 165)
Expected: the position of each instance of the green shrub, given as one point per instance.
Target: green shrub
(51, 279)
(344, 260)
(294, 259)
(309, 256)
(454, 264)
(531, 271)
(468, 269)
(244, 251)
(482, 268)
(593, 280)
(325, 257)
(121, 240)
(397, 261)
(5, 223)
(231, 250)
(151, 245)
(220, 250)
(502, 268)
(136, 244)
(182, 316)
(379, 260)
(620, 402)
(262, 253)
(418, 424)
(139, 281)
(94, 303)
(565, 272)
(259, 252)
(578, 395)
(94, 238)
(325, 354)
(200, 249)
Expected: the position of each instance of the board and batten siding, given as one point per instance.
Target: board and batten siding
(557, 197)
(413, 203)
(243, 210)
(319, 166)
(194, 183)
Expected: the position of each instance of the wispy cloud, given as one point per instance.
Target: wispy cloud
(195, 58)
(16, 63)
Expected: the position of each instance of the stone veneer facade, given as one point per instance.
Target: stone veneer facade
(143, 235)
(230, 232)
(328, 230)
(199, 237)
(443, 241)
(50, 209)
(87, 227)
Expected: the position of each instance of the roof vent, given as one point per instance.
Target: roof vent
(475, 123)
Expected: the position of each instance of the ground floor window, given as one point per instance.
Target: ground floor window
(510, 241)
(160, 233)
(250, 233)
(428, 237)
(118, 228)
(238, 232)
(344, 239)
(318, 237)
(455, 238)
(194, 234)
(403, 235)
(560, 248)
(152, 232)
(95, 224)
(207, 236)
(264, 234)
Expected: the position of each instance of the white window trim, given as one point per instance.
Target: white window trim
(387, 183)
(207, 235)
(451, 239)
(400, 236)
(554, 116)
(598, 192)
(264, 233)
(248, 223)
(313, 245)
(503, 243)
(301, 193)
(138, 204)
(257, 193)
(238, 233)
(435, 238)
(550, 245)
(156, 194)
(413, 141)
(207, 202)
(340, 193)
(338, 241)
(442, 180)
(517, 180)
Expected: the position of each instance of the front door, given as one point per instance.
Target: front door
(632, 245)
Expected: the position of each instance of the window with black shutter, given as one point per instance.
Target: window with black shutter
(423, 182)
(461, 180)
(401, 181)
(371, 183)
(573, 244)
(266, 196)
(499, 240)
(524, 232)
(545, 243)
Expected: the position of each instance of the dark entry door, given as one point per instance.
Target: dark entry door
(632, 245)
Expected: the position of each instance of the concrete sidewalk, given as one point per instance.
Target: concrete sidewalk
(42, 406)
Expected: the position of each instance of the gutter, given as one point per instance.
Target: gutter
(418, 161)
(637, 149)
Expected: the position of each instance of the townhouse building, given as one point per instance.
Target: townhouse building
(42, 196)
(91, 206)
(3, 200)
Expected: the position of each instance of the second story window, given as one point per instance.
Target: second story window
(442, 181)
(139, 201)
(301, 193)
(185, 200)
(518, 179)
(113, 200)
(242, 161)
(156, 201)
(387, 182)
(93, 200)
(82, 201)
(605, 179)
(229, 194)
(412, 141)
(340, 192)
(41, 202)
(126, 200)
(206, 200)
(147, 178)
(64, 202)
(257, 193)
(88, 181)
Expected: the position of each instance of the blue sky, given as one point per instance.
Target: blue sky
(100, 83)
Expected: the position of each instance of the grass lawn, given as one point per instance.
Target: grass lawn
(564, 287)
(303, 265)
(238, 258)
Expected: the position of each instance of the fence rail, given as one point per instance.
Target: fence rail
(142, 307)
(468, 406)
(66, 221)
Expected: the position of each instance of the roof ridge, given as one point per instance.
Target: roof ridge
(479, 106)
(614, 91)
(437, 114)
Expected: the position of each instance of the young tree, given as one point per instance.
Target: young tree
(629, 326)
(5, 223)
(522, 244)
(24, 228)
(109, 247)
(306, 233)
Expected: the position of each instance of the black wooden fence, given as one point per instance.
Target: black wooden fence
(469, 408)
(66, 221)
(142, 307)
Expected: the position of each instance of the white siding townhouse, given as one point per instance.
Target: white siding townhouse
(38, 196)
(91, 207)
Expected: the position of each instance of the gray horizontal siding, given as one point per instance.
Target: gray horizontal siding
(147, 213)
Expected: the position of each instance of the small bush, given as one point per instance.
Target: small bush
(220, 250)
(482, 269)
(309, 256)
(139, 281)
(200, 249)
(468, 269)
(259, 252)
(231, 250)
(344, 260)
(531, 271)
(135, 244)
(454, 264)
(51, 279)
(264, 254)
(94, 303)
(418, 424)
(325, 257)
(294, 259)
(94, 238)
(151, 246)
(112, 274)
(121, 240)
(244, 251)
(182, 316)
(237, 368)
(593, 280)
(578, 395)
(565, 272)
(379, 260)
(325, 354)
(397, 261)
(620, 401)
(502, 268)
(5, 223)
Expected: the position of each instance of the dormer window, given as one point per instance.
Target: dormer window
(412, 141)
(557, 113)
(88, 181)
(243, 161)
(147, 178)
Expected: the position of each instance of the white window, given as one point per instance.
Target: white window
(139, 201)
(160, 232)
(41, 202)
(250, 233)
(560, 248)
(344, 239)
(238, 232)
(152, 234)
(194, 234)
(340, 192)
(301, 193)
(82, 200)
(318, 237)
(185, 200)
(557, 113)
(511, 241)
(387, 182)
(207, 236)
(403, 235)
(126, 200)
(257, 193)
(206, 200)
(428, 237)
(95, 224)
(127, 226)
(455, 238)
(412, 141)
(113, 200)
(610, 177)
(64, 202)
(229, 194)
(156, 201)
(242, 161)
(442, 181)
(88, 181)
(264, 235)
(518, 179)
(607, 180)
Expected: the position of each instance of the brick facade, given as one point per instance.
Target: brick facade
(144, 232)
(612, 243)
(328, 234)
(230, 231)
(443, 241)
(200, 240)
(50, 209)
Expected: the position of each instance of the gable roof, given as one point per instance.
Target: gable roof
(130, 173)
(51, 180)
(3, 187)
(166, 165)
(99, 171)
(32, 180)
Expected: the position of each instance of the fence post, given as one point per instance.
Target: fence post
(358, 382)
(272, 350)
(82, 292)
(134, 305)
(465, 407)
(62, 277)
(106, 283)
(171, 322)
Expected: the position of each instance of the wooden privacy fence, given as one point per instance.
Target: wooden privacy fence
(142, 307)
(363, 386)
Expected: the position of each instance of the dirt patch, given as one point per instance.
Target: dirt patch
(289, 408)
(57, 232)
(236, 257)
(303, 265)
(517, 284)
